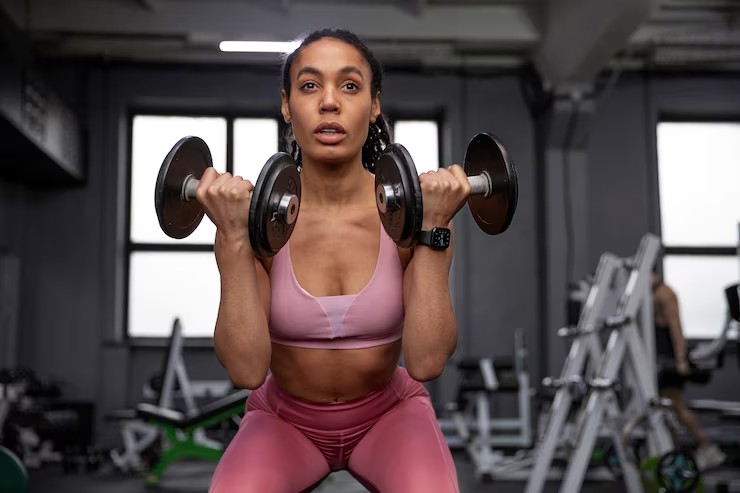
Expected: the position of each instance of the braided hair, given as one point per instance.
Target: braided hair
(378, 135)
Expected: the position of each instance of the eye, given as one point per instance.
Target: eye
(351, 86)
(308, 86)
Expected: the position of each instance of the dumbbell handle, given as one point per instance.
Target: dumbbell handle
(387, 194)
(189, 187)
(481, 184)
(287, 210)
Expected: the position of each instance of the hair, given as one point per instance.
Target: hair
(378, 135)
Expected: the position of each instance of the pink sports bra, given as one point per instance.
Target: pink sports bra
(372, 317)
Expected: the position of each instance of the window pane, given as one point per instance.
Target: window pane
(152, 139)
(699, 171)
(420, 138)
(700, 282)
(165, 285)
(255, 141)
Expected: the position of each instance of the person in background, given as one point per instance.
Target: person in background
(673, 369)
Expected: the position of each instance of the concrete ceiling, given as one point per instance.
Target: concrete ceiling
(569, 41)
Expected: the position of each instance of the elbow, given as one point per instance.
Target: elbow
(247, 381)
(424, 372)
(242, 376)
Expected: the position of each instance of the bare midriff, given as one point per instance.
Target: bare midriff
(333, 375)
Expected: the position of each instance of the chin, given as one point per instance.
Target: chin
(330, 156)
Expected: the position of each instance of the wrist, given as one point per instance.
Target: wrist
(232, 243)
(427, 224)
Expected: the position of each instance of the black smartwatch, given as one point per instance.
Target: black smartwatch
(436, 238)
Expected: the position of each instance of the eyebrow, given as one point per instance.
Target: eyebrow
(349, 69)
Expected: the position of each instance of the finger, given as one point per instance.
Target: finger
(242, 188)
(205, 182)
(459, 173)
(233, 183)
(222, 179)
(219, 185)
(207, 178)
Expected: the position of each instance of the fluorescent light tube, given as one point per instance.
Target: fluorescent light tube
(259, 46)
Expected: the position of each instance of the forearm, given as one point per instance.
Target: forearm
(430, 328)
(241, 338)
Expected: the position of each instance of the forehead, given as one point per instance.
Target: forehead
(328, 55)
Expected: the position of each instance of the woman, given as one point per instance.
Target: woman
(673, 365)
(331, 314)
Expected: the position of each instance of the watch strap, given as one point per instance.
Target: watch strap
(424, 237)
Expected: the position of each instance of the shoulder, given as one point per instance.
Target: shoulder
(665, 294)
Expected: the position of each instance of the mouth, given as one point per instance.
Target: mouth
(329, 128)
(329, 133)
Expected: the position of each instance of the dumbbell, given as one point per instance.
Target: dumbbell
(273, 208)
(491, 175)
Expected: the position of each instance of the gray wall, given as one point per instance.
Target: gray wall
(71, 240)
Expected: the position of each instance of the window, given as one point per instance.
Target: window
(421, 139)
(171, 278)
(699, 183)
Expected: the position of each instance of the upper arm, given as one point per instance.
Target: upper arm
(670, 303)
(671, 311)
(407, 273)
(263, 286)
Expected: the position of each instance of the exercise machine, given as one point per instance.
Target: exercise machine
(471, 424)
(628, 356)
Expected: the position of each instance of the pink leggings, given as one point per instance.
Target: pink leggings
(389, 440)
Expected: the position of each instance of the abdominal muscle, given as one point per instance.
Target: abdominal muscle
(333, 375)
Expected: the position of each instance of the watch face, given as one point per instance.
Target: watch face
(441, 237)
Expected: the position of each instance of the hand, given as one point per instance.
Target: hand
(682, 368)
(225, 199)
(444, 193)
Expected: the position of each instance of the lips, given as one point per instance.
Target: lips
(329, 133)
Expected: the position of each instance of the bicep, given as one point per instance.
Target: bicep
(407, 273)
(263, 286)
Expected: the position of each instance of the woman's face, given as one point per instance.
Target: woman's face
(330, 104)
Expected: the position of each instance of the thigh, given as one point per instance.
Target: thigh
(268, 454)
(405, 451)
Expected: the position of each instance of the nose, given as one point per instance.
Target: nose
(329, 102)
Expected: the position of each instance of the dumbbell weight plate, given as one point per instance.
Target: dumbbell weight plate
(395, 167)
(486, 153)
(179, 218)
(279, 176)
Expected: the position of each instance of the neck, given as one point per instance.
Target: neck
(335, 186)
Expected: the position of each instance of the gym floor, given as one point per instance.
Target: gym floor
(187, 477)
(192, 477)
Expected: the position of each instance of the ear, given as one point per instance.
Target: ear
(375, 109)
(284, 106)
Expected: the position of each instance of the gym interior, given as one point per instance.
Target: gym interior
(622, 120)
